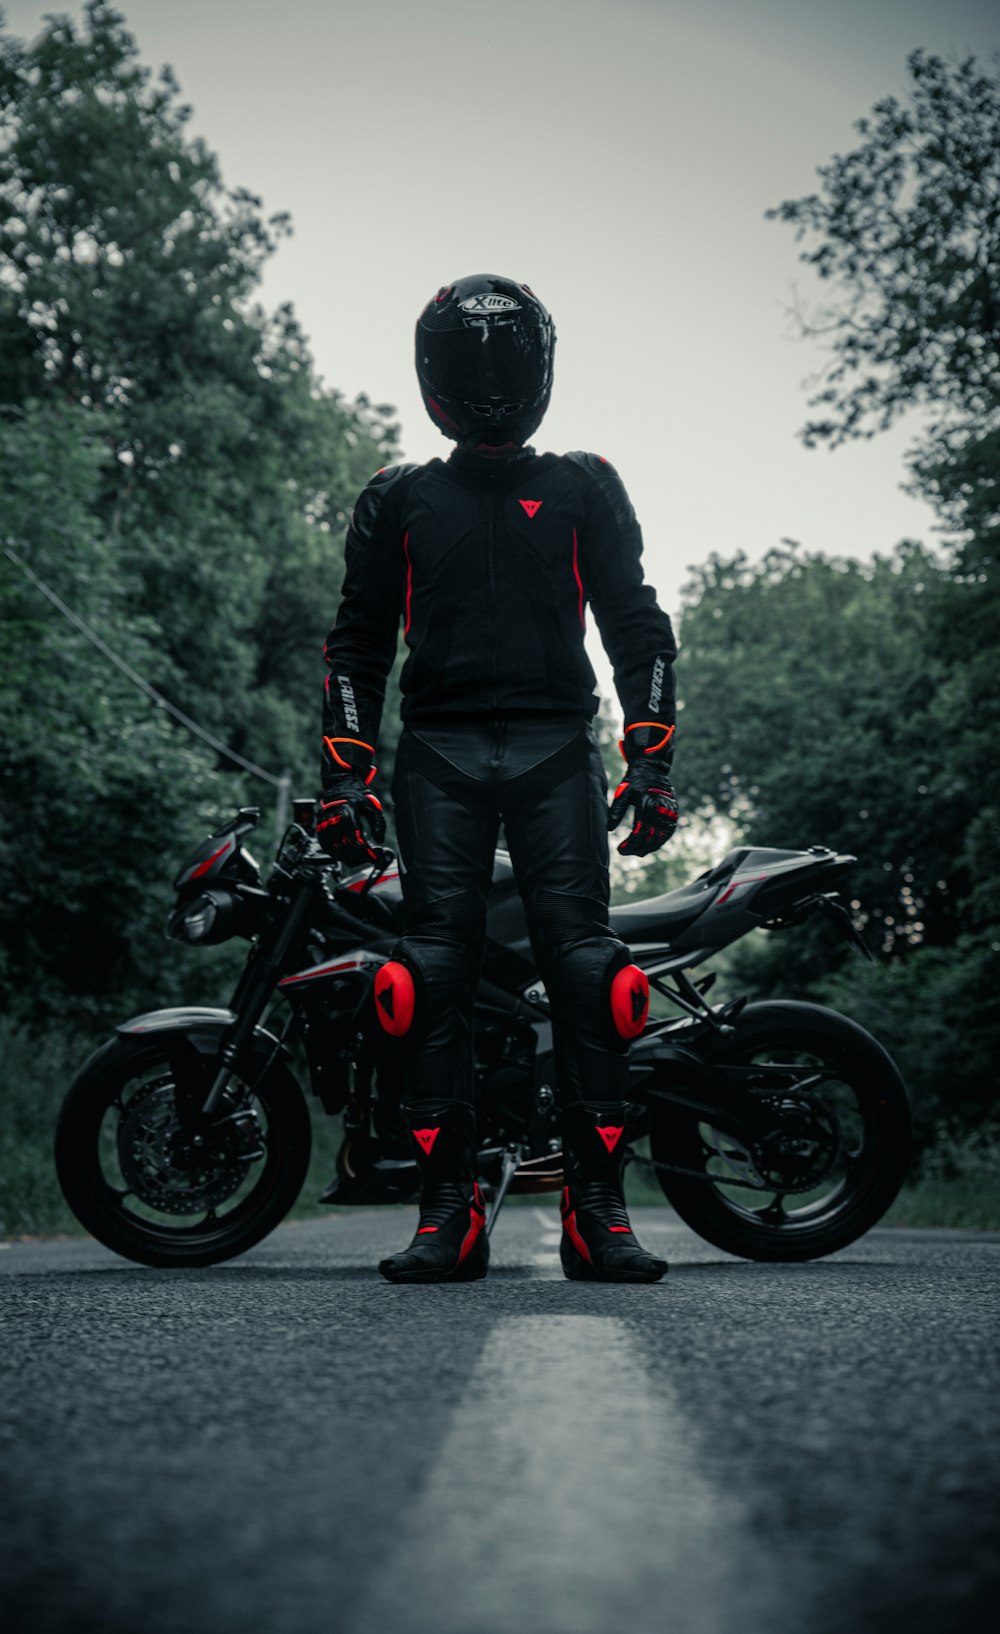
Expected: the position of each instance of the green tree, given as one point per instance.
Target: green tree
(906, 228)
(906, 231)
(810, 688)
(170, 463)
(97, 786)
(861, 707)
(814, 693)
(128, 275)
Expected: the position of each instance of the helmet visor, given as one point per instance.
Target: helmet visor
(487, 360)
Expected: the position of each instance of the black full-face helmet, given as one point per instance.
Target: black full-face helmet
(484, 360)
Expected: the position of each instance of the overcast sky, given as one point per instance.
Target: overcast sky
(618, 155)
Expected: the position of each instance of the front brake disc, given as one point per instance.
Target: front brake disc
(173, 1170)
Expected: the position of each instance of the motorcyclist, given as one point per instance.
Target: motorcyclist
(490, 558)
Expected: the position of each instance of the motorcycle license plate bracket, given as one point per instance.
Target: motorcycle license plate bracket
(837, 911)
(833, 907)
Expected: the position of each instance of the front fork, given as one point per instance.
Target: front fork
(254, 991)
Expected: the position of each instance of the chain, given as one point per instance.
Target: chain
(722, 1179)
(697, 1174)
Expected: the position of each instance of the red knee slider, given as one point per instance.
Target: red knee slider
(394, 998)
(630, 1001)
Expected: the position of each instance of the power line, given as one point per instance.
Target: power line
(78, 623)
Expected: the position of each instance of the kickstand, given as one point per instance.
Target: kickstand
(510, 1163)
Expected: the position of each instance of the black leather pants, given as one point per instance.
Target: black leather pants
(453, 784)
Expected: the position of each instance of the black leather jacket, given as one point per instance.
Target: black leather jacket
(490, 564)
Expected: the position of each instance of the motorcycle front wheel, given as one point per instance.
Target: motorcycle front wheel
(827, 1170)
(151, 1180)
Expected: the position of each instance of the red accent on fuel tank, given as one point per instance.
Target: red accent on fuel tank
(630, 1001)
(321, 970)
(394, 998)
(359, 884)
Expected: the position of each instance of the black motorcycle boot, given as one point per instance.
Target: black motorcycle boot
(450, 1243)
(598, 1243)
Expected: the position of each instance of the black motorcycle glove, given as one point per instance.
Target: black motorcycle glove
(648, 748)
(349, 818)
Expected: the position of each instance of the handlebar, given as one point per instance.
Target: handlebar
(312, 855)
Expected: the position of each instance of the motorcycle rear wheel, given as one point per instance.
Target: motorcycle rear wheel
(138, 1182)
(859, 1102)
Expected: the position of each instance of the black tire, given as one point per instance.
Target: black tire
(850, 1202)
(109, 1098)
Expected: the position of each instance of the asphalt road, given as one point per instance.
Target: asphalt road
(287, 1443)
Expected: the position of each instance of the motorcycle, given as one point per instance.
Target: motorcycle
(777, 1130)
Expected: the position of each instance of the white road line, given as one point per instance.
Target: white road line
(546, 1257)
(564, 1500)
(550, 1264)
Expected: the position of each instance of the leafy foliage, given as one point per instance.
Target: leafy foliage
(938, 1013)
(819, 709)
(95, 781)
(170, 464)
(861, 705)
(810, 690)
(908, 228)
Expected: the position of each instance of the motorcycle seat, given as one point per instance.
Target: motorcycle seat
(658, 918)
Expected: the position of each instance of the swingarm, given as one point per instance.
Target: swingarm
(739, 1099)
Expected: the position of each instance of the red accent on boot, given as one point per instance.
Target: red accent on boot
(426, 1138)
(477, 1222)
(570, 1228)
(610, 1135)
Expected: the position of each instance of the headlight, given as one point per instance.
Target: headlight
(199, 919)
(209, 917)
